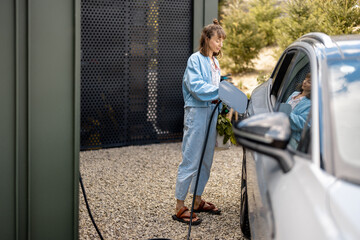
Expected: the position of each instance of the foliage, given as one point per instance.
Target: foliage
(302, 16)
(262, 77)
(253, 24)
(221, 8)
(265, 12)
(243, 40)
(241, 84)
(342, 16)
(332, 17)
(224, 127)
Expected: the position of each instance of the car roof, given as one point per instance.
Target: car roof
(342, 46)
(349, 45)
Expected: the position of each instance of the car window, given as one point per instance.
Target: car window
(279, 74)
(294, 98)
(344, 95)
(297, 73)
(305, 139)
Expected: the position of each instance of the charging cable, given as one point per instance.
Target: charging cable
(88, 208)
(199, 169)
(196, 183)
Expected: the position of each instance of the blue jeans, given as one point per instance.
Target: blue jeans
(196, 121)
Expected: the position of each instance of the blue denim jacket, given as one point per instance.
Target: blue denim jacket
(299, 115)
(198, 91)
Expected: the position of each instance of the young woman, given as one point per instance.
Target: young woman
(300, 102)
(200, 90)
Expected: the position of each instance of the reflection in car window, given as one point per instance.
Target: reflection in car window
(300, 102)
(345, 98)
(295, 100)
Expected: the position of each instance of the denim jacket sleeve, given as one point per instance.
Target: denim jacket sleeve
(299, 115)
(197, 79)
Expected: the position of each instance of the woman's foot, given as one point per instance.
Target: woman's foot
(183, 215)
(206, 207)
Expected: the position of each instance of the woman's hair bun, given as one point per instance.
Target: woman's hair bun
(215, 21)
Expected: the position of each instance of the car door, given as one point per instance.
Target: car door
(278, 200)
(293, 204)
(255, 191)
(340, 142)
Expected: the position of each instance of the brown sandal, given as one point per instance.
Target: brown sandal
(209, 209)
(183, 216)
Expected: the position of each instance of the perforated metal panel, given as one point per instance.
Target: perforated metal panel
(133, 56)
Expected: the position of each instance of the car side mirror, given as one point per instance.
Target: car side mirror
(267, 133)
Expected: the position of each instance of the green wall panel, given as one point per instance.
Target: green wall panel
(51, 118)
(39, 124)
(204, 12)
(7, 121)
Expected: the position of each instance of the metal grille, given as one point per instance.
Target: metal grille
(133, 56)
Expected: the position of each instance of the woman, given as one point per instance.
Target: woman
(300, 103)
(200, 90)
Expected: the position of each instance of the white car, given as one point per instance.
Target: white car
(304, 183)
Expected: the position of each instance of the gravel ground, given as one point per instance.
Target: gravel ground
(131, 194)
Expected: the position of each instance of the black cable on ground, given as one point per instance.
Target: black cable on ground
(199, 169)
(88, 208)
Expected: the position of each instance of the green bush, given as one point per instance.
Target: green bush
(332, 17)
(265, 12)
(224, 127)
(243, 41)
(342, 16)
(302, 16)
(254, 24)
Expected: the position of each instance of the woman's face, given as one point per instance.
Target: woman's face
(306, 85)
(215, 43)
